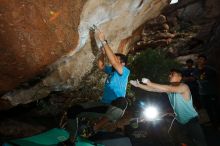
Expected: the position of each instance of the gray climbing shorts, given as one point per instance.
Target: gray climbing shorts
(113, 113)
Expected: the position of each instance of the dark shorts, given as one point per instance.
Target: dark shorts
(190, 133)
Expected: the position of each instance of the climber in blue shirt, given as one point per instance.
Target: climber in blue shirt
(113, 103)
(115, 84)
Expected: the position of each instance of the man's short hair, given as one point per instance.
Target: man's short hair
(202, 56)
(189, 61)
(178, 71)
(123, 58)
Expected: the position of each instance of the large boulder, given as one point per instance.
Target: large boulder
(46, 45)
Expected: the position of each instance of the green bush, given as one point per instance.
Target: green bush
(152, 64)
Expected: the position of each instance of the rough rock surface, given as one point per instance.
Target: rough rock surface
(195, 25)
(203, 19)
(35, 34)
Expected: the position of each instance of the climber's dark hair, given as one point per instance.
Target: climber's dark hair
(123, 58)
(178, 71)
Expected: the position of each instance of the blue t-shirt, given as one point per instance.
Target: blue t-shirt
(115, 84)
(184, 110)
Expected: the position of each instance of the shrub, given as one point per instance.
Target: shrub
(152, 64)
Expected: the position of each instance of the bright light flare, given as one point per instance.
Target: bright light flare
(173, 1)
(151, 113)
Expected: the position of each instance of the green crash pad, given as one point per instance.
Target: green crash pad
(84, 142)
(48, 138)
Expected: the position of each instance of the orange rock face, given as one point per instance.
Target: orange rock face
(33, 35)
(36, 34)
